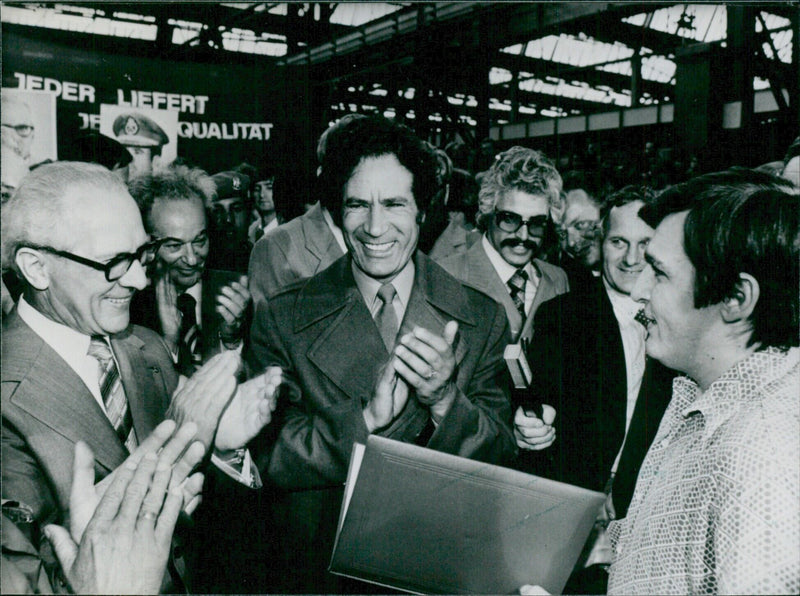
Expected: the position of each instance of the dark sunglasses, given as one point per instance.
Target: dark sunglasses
(511, 222)
(117, 266)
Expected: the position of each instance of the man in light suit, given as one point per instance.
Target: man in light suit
(588, 362)
(384, 341)
(72, 367)
(516, 197)
(303, 246)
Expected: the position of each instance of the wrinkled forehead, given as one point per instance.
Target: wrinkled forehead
(100, 215)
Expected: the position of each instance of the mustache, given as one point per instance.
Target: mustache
(512, 242)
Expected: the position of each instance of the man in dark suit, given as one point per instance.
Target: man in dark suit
(72, 367)
(197, 311)
(588, 362)
(383, 341)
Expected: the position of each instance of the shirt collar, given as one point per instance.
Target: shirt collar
(625, 307)
(736, 388)
(71, 345)
(504, 269)
(369, 286)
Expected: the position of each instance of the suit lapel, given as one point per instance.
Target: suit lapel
(320, 241)
(616, 378)
(546, 289)
(481, 274)
(138, 382)
(350, 350)
(53, 393)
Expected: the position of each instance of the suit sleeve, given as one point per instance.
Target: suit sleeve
(478, 425)
(312, 448)
(268, 269)
(23, 479)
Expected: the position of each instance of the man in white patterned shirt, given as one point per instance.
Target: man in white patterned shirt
(715, 508)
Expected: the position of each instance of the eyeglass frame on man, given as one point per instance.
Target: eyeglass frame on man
(538, 221)
(140, 255)
(18, 128)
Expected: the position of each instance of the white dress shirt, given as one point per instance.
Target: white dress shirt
(72, 346)
(505, 270)
(633, 341)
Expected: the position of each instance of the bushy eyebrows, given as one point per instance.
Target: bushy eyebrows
(653, 261)
(382, 200)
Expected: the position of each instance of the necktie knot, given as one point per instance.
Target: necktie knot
(386, 317)
(186, 304)
(99, 349)
(386, 293)
(519, 279)
(642, 318)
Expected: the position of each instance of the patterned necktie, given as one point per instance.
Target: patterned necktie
(641, 318)
(516, 287)
(386, 317)
(189, 356)
(113, 393)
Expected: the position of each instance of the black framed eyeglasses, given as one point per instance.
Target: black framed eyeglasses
(117, 266)
(510, 222)
(23, 130)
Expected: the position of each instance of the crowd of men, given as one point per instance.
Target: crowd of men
(171, 424)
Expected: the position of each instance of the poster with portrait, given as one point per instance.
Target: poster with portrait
(29, 124)
(150, 135)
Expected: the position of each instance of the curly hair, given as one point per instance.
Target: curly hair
(374, 136)
(175, 183)
(518, 168)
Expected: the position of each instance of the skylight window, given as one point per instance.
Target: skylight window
(355, 14)
(700, 22)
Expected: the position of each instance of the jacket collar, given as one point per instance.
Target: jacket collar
(334, 288)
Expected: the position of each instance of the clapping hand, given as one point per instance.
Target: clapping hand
(125, 546)
(249, 411)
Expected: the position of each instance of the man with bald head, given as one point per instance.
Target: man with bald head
(73, 369)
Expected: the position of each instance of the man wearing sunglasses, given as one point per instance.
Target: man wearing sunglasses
(73, 369)
(516, 199)
(17, 127)
(514, 205)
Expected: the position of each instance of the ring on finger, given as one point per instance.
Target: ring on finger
(431, 375)
(147, 515)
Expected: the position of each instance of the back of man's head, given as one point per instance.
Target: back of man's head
(741, 221)
(41, 211)
(374, 136)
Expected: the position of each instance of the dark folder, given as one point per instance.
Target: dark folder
(423, 521)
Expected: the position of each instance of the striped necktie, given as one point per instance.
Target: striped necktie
(386, 317)
(516, 287)
(189, 356)
(113, 394)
